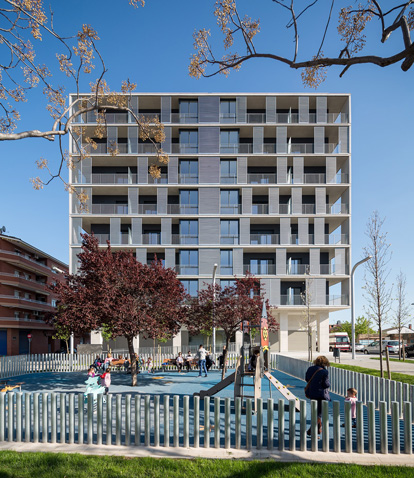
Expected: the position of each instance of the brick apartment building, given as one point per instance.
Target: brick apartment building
(25, 274)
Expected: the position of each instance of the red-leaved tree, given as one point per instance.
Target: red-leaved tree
(112, 289)
(226, 308)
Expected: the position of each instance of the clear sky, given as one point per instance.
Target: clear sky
(152, 46)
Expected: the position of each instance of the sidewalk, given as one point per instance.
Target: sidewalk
(213, 453)
(361, 360)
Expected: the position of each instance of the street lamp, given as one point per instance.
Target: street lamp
(214, 302)
(352, 303)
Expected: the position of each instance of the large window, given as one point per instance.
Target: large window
(188, 171)
(188, 141)
(228, 171)
(229, 201)
(226, 262)
(262, 266)
(188, 111)
(188, 262)
(228, 111)
(188, 201)
(229, 232)
(229, 141)
(188, 232)
(191, 286)
(227, 283)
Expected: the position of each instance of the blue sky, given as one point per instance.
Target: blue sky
(152, 46)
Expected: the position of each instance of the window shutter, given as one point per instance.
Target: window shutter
(136, 226)
(166, 224)
(209, 109)
(241, 109)
(274, 201)
(165, 109)
(281, 262)
(209, 201)
(208, 257)
(247, 201)
(241, 170)
(270, 109)
(244, 231)
(132, 200)
(173, 170)
(298, 170)
(281, 170)
(314, 261)
(303, 109)
(142, 169)
(296, 200)
(115, 230)
(209, 170)
(303, 230)
(209, 230)
(258, 139)
(319, 140)
(209, 139)
(321, 109)
(281, 139)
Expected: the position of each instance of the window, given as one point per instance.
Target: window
(229, 141)
(16, 273)
(188, 141)
(226, 262)
(188, 111)
(189, 232)
(53, 302)
(228, 111)
(188, 262)
(188, 201)
(16, 315)
(16, 293)
(261, 266)
(227, 283)
(228, 171)
(191, 286)
(188, 171)
(229, 232)
(229, 201)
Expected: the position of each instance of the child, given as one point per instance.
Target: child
(351, 396)
(179, 361)
(107, 361)
(91, 371)
(106, 380)
(149, 364)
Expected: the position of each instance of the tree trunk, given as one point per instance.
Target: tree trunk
(67, 346)
(223, 372)
(133, 361)
(400, 349)
(380, 348)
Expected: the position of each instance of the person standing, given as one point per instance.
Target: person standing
(202, 354)
(317, 388)
(106, 380)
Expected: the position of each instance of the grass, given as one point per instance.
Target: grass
(59, 465)
(399, 377)
(394, 360)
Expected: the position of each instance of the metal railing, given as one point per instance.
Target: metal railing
(337, 209)
(184, 148)
(294, 299)
(152, 238)
(182, 209)
(267, 178)
(116, 118)
(260, 209)
(102, 238)
(256, 117)
(260, 269)
(163, 179)
(235, 148)
(187, 118)
(285, 209)
(308, 208)
(297, 269)
(147, 209)
(336, 239)
(22, 277)
(229, 239)
(310, 178)
(148, 148)
(188, 178)
(184, 239)
(32, 301)
(333, 269)
(148, 116)
(186, 270)
(228, 179)
(111, 178)
(109, 208)
(226, 270)
(264, 239)
(337, 300)
(236, 209)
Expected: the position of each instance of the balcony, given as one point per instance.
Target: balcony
(230, 209)
(23, 261)
(228, 179)
(189, 148)
(23, 303)
(285, 209)
(109, 209)
(108, 178)
(184, 239)
(150, 116)
(229, 239)
(163, 179)
(309, 148)
(116, 118)
(332, 269)
(336, 300)
(336, 239)
(293, 299)
(184, 118)
(102, 238)
(148, 148)
(188, 178)
(314, 178)
(260, 269)
(297, 269)
(256, 117)
(264, 239)
(308, 209)
(337, 209)
(147, 209)
(23, 282)
(260, 209)
(236, 148)
(342, 178)
(186, 270)
(152, 238)
(182, 208)
(261, 178)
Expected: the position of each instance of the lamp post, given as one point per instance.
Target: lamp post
(214, 302)
(352, 303)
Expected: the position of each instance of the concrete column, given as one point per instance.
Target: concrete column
(135, 343)
(96, 338)
(176, 341)
(239, 340)
(283, 332)
(323, 332)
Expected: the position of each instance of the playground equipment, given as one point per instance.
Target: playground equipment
(243, 377)
(93, 387)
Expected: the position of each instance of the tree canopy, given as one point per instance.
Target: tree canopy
(362, 326)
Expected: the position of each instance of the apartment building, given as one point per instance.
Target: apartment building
(257, 182)
(25, 274)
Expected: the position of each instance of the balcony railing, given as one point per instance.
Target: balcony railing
(332, 269)
(187, 118)
(285, 209)
(109, 208)
(188, 178)
(264, 239)
(147, 209)
(342, 178)
(184, 148)
(309, 178)
(226, 270)
(236, 209)
(187, 270)
(23, 278)
(268, 178)
(184, 239)
(293, 299)
(148, 116)
(227, 118)
(294, 239)
(182, 209)
(235, 148)
(308, 209)
(260, 209)
(40, 302)
(337, 209)
(260, 269)
(27, 258)
(337, 300)
(102, 238)
(336, 239)
(228, 179)
(256, 117)
(229, 239)
(116, 118)
(148, 148)
(110, 178)
(163, 179)
(151, 238)
(297, 269)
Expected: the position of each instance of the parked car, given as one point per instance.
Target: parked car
(359, 347)
(409, 350)
(374, 347)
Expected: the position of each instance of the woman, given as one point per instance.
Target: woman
(317, 377)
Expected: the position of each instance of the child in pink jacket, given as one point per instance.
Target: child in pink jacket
(106, 380)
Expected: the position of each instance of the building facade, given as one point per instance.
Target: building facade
(25, 274)
(257, 182)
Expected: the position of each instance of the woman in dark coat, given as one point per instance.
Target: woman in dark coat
(317, 377)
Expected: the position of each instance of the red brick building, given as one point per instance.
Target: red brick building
(25, 274)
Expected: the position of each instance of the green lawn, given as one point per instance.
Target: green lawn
(399, 377)
(59, 465)
(394, 360)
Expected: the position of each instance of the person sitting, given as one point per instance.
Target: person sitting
(188, 360)
(179, 362)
